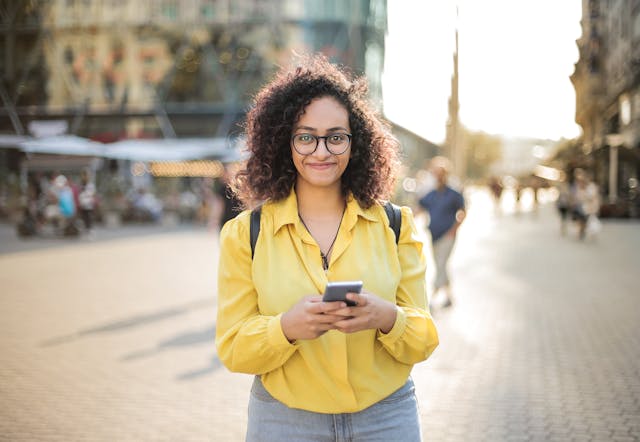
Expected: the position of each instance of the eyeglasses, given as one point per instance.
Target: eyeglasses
(306, 144)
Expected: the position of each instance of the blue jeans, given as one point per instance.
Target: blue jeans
(394, 418)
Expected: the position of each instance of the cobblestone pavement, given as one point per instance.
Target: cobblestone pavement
(112, 339)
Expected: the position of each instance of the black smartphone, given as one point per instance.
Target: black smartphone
(337, 291)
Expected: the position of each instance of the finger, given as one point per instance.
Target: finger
(326, 307)
(323, 328)
(314, 298)
(331, 319)
(349, 325)
(357, 298)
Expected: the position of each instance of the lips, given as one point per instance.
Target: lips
(320, 166)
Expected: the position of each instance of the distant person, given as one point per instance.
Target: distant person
(585, 202)
(563, 204)
(87, 200)
(322, 161)
(229, 205)
(65, 211)
(446, 210)
(496, 188)
(519, 189)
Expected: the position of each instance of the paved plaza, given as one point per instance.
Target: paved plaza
(113, 339)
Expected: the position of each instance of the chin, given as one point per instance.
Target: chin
(322, 182)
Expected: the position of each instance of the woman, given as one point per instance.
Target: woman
(321, 160)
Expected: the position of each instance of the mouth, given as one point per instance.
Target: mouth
(320, 166)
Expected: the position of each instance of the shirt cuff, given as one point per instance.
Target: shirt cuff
(275, 334)
(396, 331)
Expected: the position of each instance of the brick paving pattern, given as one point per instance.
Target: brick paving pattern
(112, 340)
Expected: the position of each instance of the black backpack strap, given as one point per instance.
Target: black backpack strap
(254, 228)
(395, 218)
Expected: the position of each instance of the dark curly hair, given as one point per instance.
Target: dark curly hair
(269, 173)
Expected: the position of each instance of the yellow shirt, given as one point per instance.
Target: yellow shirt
(337, 372)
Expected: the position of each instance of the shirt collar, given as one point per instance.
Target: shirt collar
(286, 212)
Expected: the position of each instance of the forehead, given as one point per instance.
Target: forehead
(324, 112)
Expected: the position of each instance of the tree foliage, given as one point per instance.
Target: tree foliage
(482, 150)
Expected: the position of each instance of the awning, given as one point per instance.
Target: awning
(13, 140)
(169, 149)
(143, 150)
(63, 145)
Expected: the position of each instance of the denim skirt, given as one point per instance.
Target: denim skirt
(394, 418)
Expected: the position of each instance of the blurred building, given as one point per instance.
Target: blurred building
(416, 152)
(116, 69)
(607, 84)
(162, 75)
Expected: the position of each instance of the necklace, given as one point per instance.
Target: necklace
(325, 256)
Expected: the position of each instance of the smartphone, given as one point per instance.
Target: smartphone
(337, 291)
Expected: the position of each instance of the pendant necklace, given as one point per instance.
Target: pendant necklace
(325, 256)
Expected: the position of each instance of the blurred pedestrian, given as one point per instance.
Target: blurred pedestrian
(229, 206)
(563, 205)
(496, 188)
(64, 217)
(446, 210)
(321, 160)
(87, 201)
(585, 203)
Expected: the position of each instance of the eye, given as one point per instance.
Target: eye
(337, 138)
(304, 138)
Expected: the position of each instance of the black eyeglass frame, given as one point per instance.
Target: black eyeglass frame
(318, 138)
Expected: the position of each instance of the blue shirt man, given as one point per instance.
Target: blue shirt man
(446, 212)
(443, 206)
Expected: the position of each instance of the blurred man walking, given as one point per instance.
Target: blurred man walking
(446, 212)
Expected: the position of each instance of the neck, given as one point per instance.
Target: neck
(319, 202)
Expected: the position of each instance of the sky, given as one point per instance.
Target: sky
(515, 59)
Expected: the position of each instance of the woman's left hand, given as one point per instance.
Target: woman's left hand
(371, 312)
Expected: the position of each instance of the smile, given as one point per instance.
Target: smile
(320, 166)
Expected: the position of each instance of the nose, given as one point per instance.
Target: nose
(325, 149)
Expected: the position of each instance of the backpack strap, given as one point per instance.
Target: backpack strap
(395, 218)
(254, 228)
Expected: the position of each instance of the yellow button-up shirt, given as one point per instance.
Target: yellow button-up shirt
(336, 372)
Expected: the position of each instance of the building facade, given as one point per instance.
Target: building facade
(115, 69)
(607, 83)
(165, 72)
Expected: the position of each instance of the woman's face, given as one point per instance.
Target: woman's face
(323, 117)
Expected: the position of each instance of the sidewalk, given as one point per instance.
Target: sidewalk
(10, 242)
(542, 344)
(113, 339)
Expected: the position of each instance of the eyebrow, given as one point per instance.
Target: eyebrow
(313, 129)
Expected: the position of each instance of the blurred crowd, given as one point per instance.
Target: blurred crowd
(71, 205)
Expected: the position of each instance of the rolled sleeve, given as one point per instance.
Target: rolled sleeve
(396, 332)
(277, 339)
(413, 337)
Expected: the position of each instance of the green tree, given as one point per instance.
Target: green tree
(482, 150)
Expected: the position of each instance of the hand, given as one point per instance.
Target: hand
(310, 318)
(371, 312)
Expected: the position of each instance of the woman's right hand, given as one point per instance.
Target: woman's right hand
(310, 318)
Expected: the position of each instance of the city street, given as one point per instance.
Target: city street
(113, 339)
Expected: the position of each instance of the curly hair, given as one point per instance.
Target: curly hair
(269, 173)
